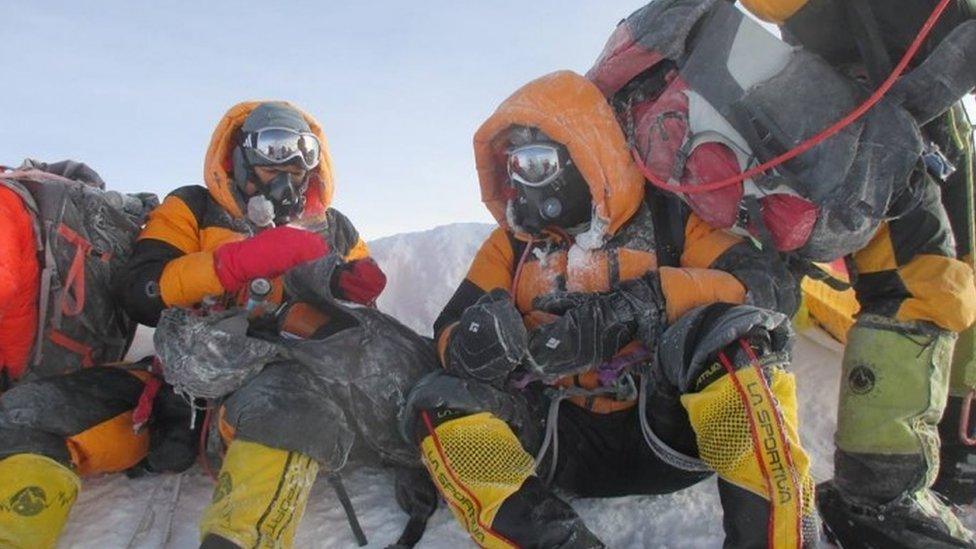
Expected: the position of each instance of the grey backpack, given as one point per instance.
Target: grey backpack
(85, 236)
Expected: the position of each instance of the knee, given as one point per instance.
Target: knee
(442, 397)
(942, 292)
(286, 407)
(711, 341)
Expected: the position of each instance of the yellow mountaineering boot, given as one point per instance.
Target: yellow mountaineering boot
(36, 495)
(477, 463)
(260, 496)
(746, 427)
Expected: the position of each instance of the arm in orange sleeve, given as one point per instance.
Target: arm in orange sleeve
(168, 265)
(358, 251)
(717, 266)
(493, 267)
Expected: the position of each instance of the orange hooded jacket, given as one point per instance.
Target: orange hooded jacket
(172, 264)
(620, 244)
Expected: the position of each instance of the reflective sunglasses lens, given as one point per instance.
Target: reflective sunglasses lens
(534, 165)
(279, 146)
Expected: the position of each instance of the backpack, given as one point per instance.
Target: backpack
(85, 236)
(705, 93)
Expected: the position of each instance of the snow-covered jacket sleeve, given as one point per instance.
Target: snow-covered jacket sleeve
(731, 269)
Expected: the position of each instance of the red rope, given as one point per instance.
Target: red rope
(777, 416)
(812, 141)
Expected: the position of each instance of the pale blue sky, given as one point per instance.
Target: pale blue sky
(135, 88)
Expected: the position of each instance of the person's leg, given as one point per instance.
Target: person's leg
(52, 431)
(953, 133)
(726, 365)
(482, 468)
(285, 425)
(913, 294)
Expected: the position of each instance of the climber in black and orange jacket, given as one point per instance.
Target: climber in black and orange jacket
(583, 279)
(265, 209)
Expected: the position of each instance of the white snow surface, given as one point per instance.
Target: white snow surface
(424, 269)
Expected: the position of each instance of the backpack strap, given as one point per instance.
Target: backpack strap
(668, 213)
(72, 299)
(867, 36)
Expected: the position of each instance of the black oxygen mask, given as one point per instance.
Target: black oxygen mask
(564, 201)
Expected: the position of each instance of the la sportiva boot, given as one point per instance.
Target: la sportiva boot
(487, 478)
(260, 497)
(36, 495)
(893, 391)
(743, 410)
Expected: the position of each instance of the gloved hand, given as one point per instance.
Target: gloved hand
(593, 327)
(268, 254)
(360, 281)
(489, 341)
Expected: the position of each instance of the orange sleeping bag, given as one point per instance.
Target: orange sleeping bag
(19, 280)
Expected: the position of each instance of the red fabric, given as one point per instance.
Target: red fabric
(143, 410)
(622, 59)
(790, 220)
(361, 281)
(19, 282)
(661, 127)
(714, 162)
(268, 254)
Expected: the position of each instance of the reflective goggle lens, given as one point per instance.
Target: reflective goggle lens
(534, 165)
(279, 145)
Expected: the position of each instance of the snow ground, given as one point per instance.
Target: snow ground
(111, 508)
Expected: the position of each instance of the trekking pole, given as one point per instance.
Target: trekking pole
(336, 481)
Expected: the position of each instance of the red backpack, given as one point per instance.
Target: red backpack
(705, 94)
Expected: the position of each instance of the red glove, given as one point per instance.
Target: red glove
(361, 281)
(268, 254)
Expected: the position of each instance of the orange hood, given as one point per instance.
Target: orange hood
(572, 111)
(217, 171)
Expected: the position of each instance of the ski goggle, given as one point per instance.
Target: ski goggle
(537, 165)
(282, 145)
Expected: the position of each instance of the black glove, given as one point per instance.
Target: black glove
(647, 303)
(489, 341)
(595, 326)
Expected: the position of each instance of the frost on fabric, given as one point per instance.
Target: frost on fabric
(209, 355)
(109, 507)
(593, 238)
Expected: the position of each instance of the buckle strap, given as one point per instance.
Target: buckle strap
(75, 281)
(60, 338)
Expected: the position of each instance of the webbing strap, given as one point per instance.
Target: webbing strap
(59, 338)
(143, 410)
(73, 295)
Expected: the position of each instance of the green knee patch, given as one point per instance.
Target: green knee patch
(893, 388)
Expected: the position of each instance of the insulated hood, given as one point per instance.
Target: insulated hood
(218, 164)
(571, 110)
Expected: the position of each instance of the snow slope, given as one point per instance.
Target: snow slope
(424, 268)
